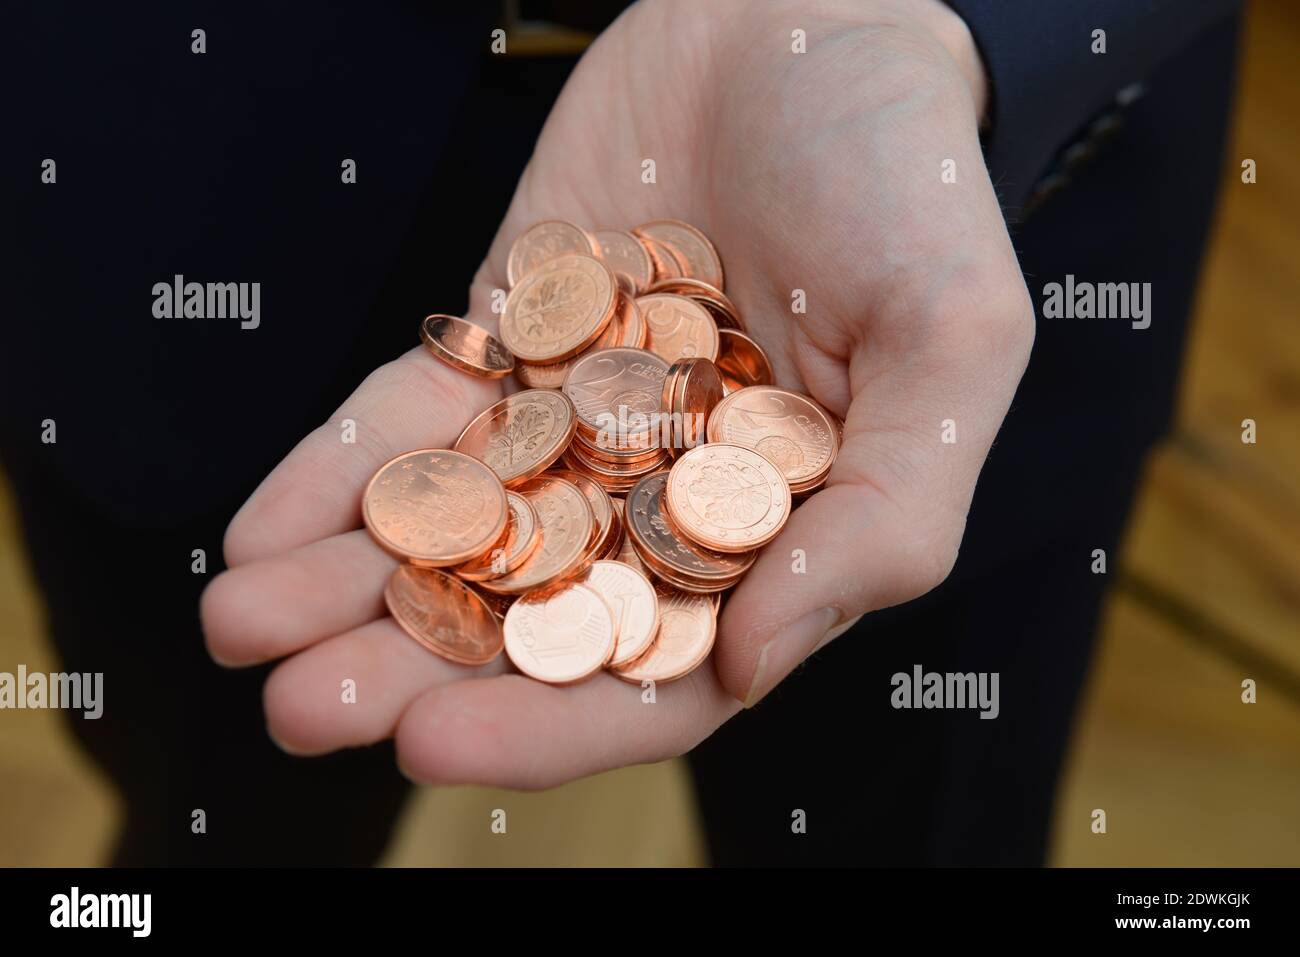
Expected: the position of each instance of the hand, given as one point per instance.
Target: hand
(818, 171)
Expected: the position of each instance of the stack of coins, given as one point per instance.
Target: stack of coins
(594, 519)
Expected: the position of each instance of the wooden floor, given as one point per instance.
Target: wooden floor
(1207, 594)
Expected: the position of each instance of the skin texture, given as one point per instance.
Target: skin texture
(817, 171)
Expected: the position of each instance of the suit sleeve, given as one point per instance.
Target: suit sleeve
(1047, 85)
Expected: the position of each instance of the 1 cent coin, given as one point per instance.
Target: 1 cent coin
(443, 614)
(605, 522)
(561, 637)
(435, 507)
(632, 599)
(665, 549)
(466, 347)
(688, 626)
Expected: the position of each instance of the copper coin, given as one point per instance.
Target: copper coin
(626, 329)
(627, 551)
(698, 391)
(632, 329)
(688, 625)
(616, 483)
(602, 508)
(723, 310)
(550, 376)
(697, 256)
(631, 598)
(499, 604)
(616, 395)
(562, 636)
(522, 435)
(433, 507)
(621, 251)
(742, 361)
(443, 614)
(659, 542)
(542, 242)
(603, 465)
(614, 541)
(612, 455)
(790, 430)
(558, 309)
(668, 403)
(566, 527)
(727, 498)
(516, 545)
(466, 347)
(679, 327)
(666, 263)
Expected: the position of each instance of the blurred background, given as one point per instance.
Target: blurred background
(1205, 594)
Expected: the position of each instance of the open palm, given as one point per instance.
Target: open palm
(819, 171)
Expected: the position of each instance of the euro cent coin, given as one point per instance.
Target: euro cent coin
(727, 498)
(625, 255)
(435, 507)
(791, 431)
(631, 597)
(559, 309)
(566, 530)
(465, 346)
(696, 254)
(560, 637)
(515, 546)
(443, 614)
(542, 242)
(688, 625)
(616, 395)
(678, 327)
(521, 435)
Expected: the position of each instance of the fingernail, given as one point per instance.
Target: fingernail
(792, 644)
(292, 752)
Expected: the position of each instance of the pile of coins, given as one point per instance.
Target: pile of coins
(593, 519)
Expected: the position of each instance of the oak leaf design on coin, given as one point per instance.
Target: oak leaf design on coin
(730, 495)
(554, 308)
(522, 434)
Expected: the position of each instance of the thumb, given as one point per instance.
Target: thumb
(842, 553)
(886, 527)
